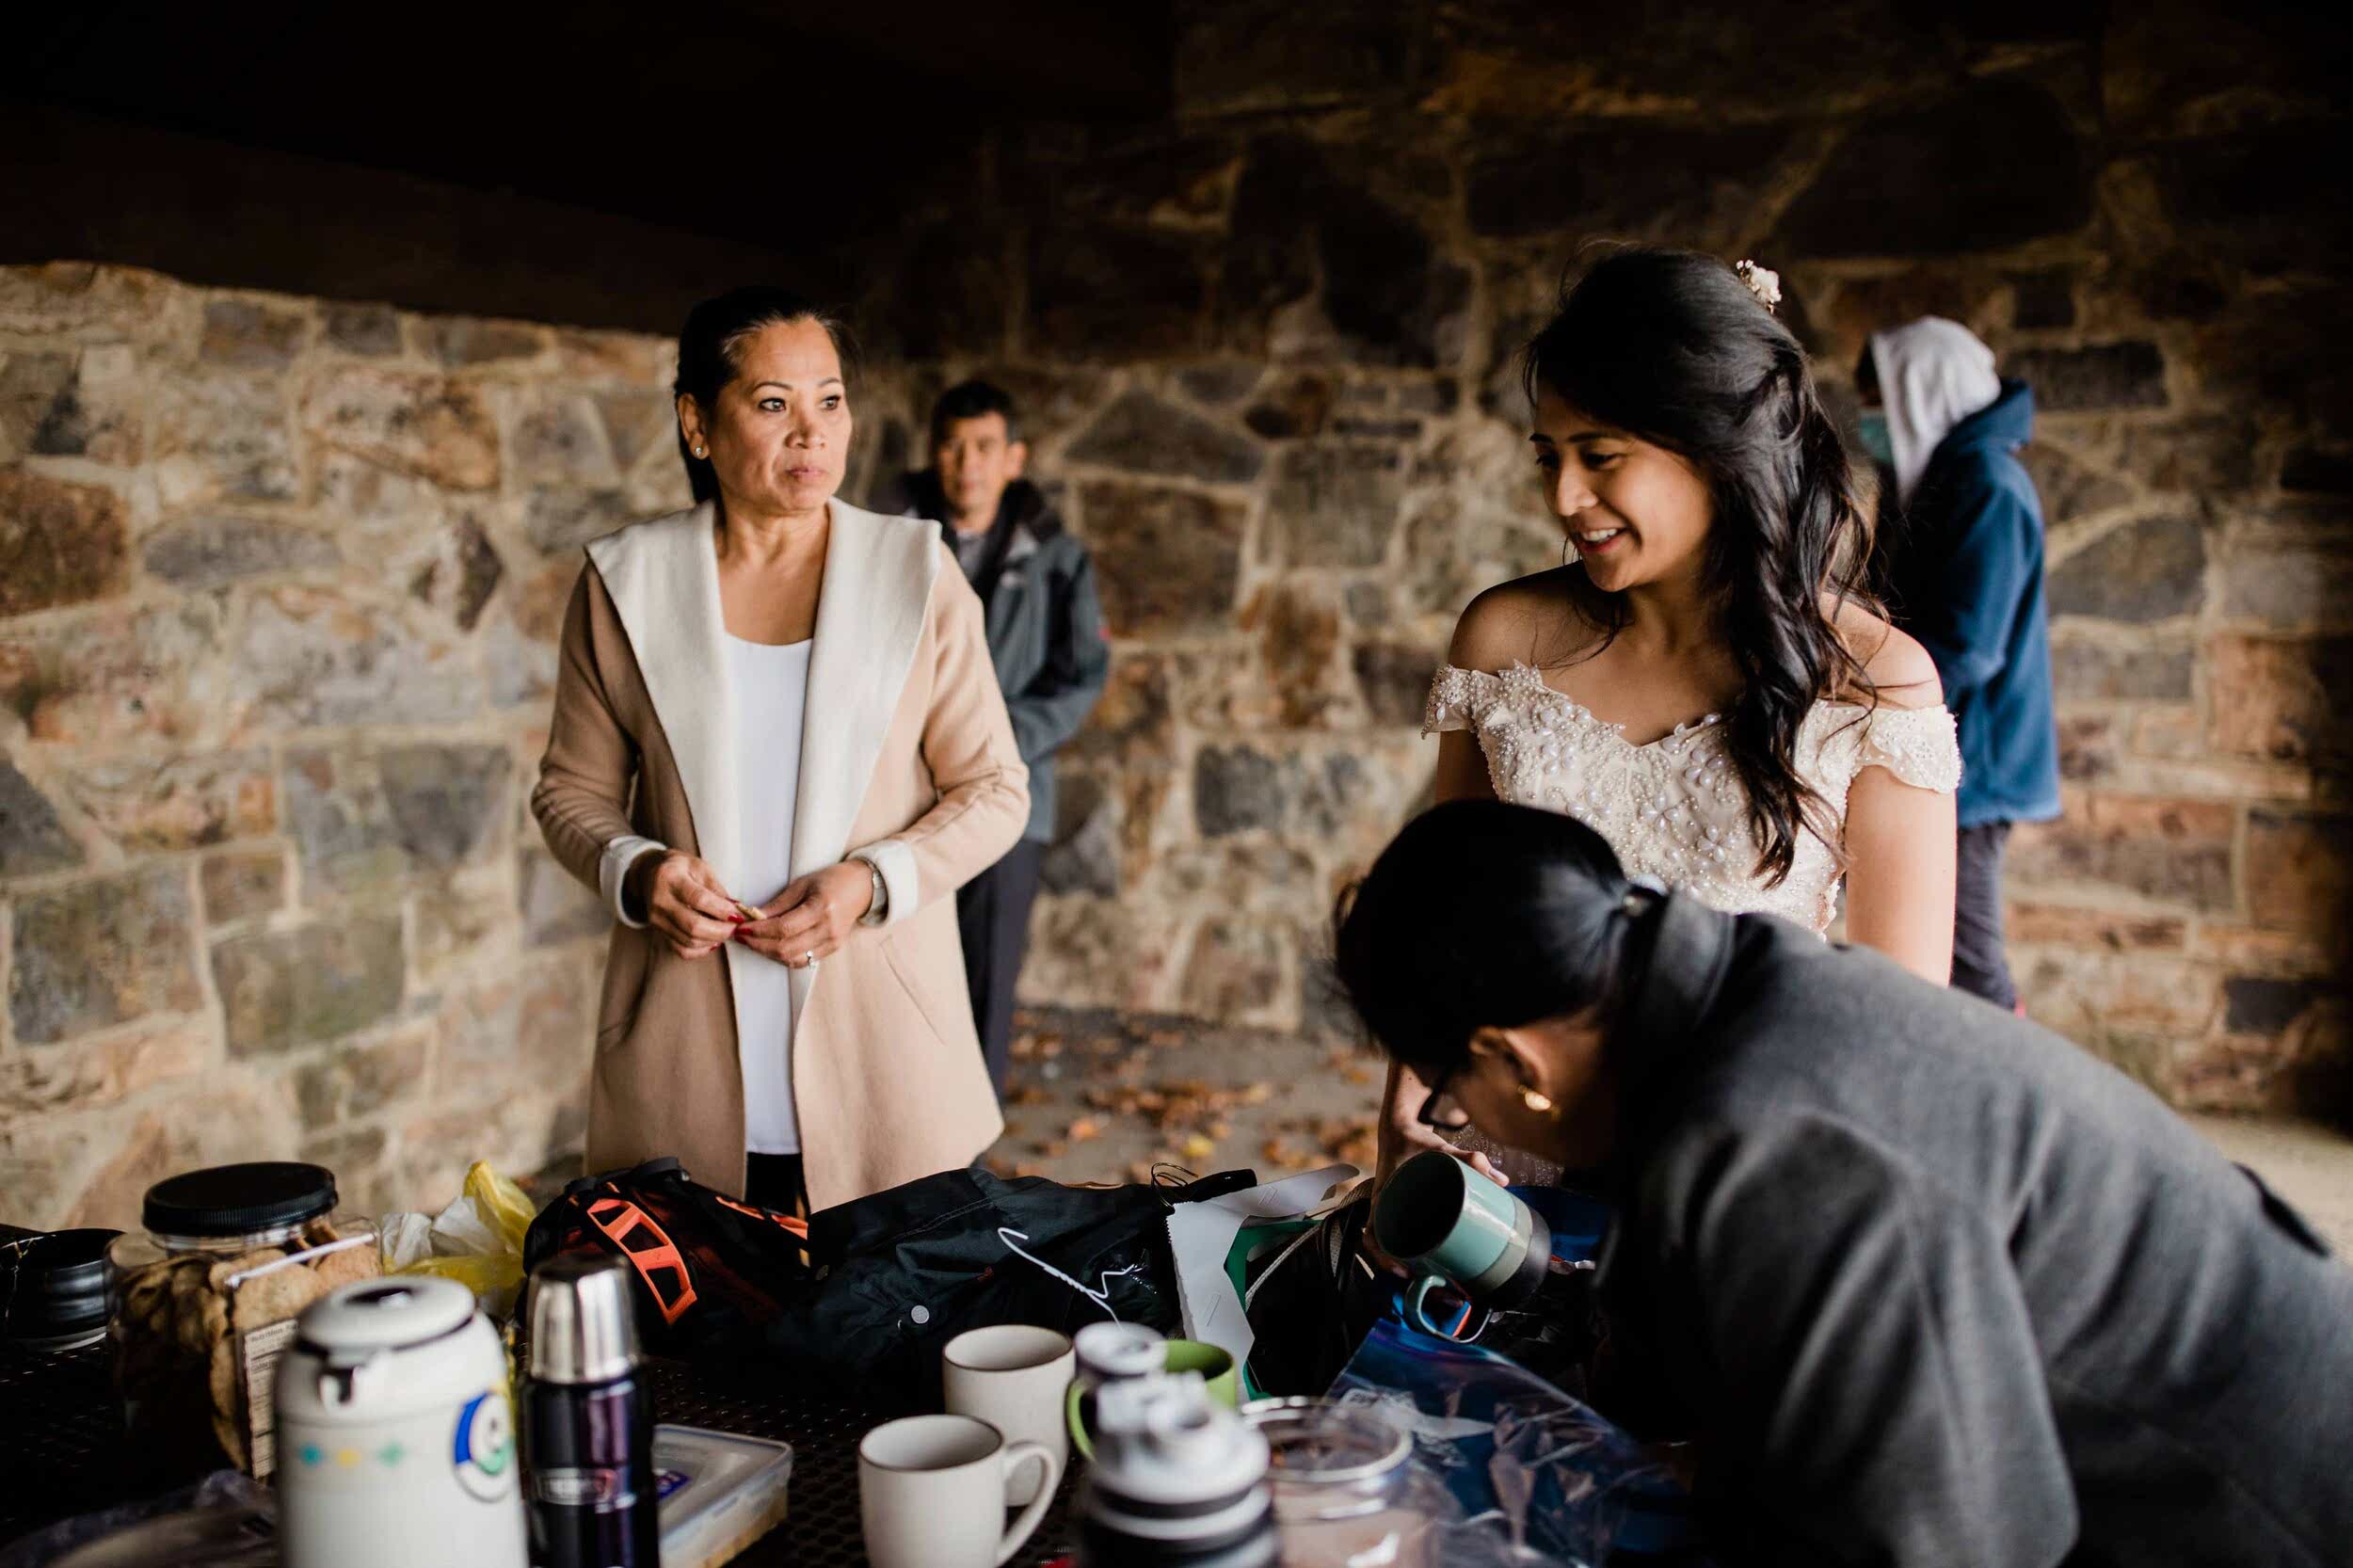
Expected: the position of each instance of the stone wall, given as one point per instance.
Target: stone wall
(282, 582)
(1268, 353)
(282, 576)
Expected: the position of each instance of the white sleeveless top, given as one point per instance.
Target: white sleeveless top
(770, 684)
(1673, 810)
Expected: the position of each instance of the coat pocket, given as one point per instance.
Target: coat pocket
(908, 964)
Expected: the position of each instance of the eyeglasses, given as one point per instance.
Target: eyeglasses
(1453, 1119)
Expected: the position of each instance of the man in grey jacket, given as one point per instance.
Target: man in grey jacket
(1045, 633)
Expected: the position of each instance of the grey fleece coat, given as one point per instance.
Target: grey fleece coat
(1933, 1285)
(1045, 624)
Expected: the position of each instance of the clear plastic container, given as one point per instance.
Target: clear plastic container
(202, 1305)
(1345, 1492)
(720, 1492)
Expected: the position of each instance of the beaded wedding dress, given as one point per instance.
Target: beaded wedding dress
(1674, 809)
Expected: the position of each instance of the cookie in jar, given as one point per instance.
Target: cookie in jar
(204, 1302)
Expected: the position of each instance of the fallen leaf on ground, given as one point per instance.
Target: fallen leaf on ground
(1356, 1146)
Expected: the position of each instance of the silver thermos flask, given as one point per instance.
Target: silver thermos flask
(587, 1422)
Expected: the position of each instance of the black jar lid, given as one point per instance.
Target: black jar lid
(59, 1283)
(235, 1200)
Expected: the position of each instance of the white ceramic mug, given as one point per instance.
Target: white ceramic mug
(1014, 1378)
(932, 1490)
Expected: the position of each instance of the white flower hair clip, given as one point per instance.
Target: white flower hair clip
(1761, 281)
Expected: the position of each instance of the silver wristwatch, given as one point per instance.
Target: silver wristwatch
(878, 910)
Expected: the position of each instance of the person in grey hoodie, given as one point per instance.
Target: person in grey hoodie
(1037, 584)
(1961, 568)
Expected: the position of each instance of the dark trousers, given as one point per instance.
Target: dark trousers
(993, 913)
(1980, 965)
(773, 1181)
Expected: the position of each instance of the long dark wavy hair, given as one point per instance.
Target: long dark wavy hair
(711, 342)
(1427, 956)
(1672, 347)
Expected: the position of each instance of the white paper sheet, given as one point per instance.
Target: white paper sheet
(1201, 1234)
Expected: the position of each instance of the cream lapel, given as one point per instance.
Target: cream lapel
(870, 616)
(663, 577)
(663, 580)
(871, 606)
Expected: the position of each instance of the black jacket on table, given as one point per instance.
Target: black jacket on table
(1931, 1284)
(1037, 584)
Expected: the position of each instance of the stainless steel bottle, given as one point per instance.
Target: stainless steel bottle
(588, 1421)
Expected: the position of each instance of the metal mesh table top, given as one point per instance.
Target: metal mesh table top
(61, 1436)
(822, 1528)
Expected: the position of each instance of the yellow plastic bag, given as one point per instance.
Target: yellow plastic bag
(478, 1241)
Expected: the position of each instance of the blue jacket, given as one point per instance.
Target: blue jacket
(1966, 579)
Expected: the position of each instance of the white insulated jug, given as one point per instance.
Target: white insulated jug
(396, 1433)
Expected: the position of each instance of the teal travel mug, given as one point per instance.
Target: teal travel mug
(1454, 1227)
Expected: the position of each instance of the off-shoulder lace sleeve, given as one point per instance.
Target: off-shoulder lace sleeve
(1457, 700)
(1916, 744)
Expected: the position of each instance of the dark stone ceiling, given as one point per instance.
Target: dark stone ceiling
(445, 156)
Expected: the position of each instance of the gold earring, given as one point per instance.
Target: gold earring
(1536, 1100)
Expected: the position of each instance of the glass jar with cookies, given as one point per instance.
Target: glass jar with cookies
(204, 1304)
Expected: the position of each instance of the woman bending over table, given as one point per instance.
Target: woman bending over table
(1931, 1284)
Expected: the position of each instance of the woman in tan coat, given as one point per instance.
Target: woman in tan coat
(777, 750)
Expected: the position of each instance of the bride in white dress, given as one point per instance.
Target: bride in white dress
(1698, 685)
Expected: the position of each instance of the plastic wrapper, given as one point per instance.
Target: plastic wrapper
(1537, 1476)
(477, 1240)
(228, 1520)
